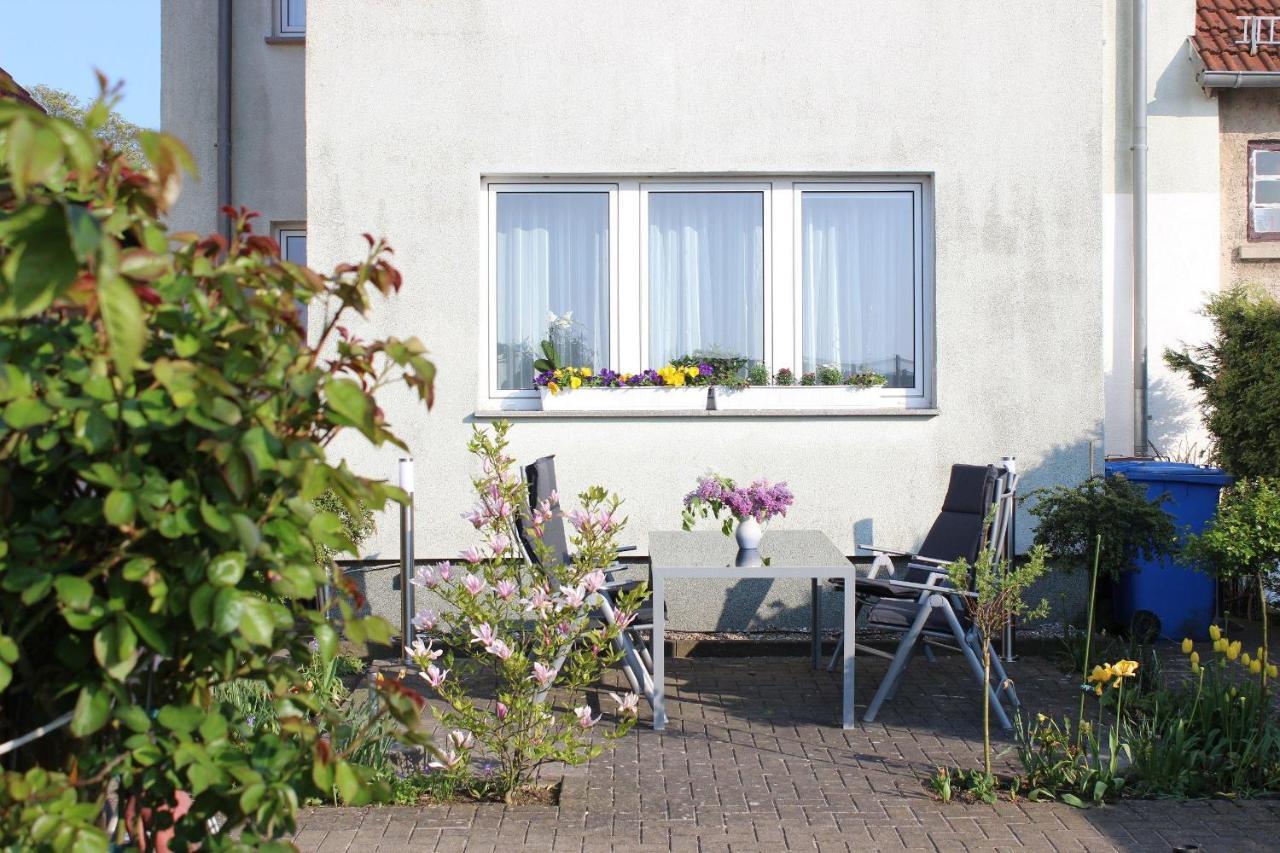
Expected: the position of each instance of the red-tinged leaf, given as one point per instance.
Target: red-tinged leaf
(147, 295)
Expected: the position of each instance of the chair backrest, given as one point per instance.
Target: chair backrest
(540, 476)
(961, 529)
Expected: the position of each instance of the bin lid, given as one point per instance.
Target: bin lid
(1154, 470)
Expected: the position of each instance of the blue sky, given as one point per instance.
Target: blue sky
(60, 42)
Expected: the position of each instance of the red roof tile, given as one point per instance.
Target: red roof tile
(9, 88)
(1219, 28)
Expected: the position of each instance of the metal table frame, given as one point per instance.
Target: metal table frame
(815, 574)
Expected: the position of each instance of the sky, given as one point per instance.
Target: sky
(61, 42)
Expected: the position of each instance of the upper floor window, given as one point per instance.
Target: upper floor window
(291, 17)
(803, 274)
(1264, 190)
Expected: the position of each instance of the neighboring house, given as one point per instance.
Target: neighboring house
(9, 88)
(1236, 50)
(941, 196)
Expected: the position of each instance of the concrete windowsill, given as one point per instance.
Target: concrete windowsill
(537, 414)
(286, 39)
(1260, 252)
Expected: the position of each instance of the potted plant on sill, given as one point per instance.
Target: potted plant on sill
(669, 388)
(828, 387)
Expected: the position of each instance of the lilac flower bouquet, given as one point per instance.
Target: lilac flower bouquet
(759, 502)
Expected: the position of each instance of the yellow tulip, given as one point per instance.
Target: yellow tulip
(1233, 650)
(1244, 658)
(1214, 632)
(1101, 675)
(1195, 660)
(1195, 667)
(1187, 646)
(1256, 667)
(1125, 668)
(1262, 654)
(1272, 671)
(1220, 644)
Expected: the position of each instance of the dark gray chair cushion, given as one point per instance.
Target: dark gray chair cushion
(541, 477)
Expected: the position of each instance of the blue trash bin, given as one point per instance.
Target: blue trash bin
(1181, 597)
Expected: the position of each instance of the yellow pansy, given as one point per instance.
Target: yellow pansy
(575, 382)
(692, 372)
(584, 372)
(1256, 667)
(1215, 632)
(1233, 650)
(1187, 646)
(553, 388)
(626, 376)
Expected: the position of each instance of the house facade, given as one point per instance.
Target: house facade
(942, 198)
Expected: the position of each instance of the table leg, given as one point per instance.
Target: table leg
(815, 622)
(850, 641)
(658, 653)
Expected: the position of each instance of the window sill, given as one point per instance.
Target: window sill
(647, 414)
(299, 39)
(1269, 251)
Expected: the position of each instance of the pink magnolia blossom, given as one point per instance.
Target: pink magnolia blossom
(544, 674)
(504, 589)
(447, 760)
(473, 584)
(500, 545)
(435, 676)
(477, 517)
(553, 499)
(574, 596)
(461, 740)
(472, 555)
(424, 576)
(499, 649)
(502, 712)
(585, 720)
(425, 621)
(502, 508)
(420, 650)
(539, 600)
(564, 628)
(594, 581)
(445, 569)
(623, 619)
(628, 705)
(483, 634)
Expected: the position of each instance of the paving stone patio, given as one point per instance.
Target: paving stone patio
(753, 760)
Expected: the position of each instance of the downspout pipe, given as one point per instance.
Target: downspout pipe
(1140, 396)
(224, 117)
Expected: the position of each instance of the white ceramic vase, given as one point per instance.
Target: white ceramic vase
(749, 533)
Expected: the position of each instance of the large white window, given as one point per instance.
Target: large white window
(628, 273)
(552, 278)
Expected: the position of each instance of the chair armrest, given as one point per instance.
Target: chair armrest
(926, 562)
(928, 587)
(893, 552)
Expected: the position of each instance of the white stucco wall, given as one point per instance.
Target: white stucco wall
(1183, 224)
(268, 168)
(411, 103)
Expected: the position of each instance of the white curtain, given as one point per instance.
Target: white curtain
(706, 274)
(552, 281)
(859, 283)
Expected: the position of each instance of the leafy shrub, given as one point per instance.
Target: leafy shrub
(1071, 518)
(865, 379)
(808, 379)
(784, 377)
(757, 374)
(163, 426)
(1238, 376)
(356, 519)
(829, 374)
(527, 629)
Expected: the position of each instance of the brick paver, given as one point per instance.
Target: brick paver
(754, 760)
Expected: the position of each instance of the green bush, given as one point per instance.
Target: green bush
(163, 425)
(1131, 526)
(1238, 376)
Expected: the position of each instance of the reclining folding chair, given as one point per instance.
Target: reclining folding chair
(540, 476)
(922, 606)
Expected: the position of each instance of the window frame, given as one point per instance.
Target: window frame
(489, 354)
(284, 232)
(921, 307)
(629, 310)
(1251, 178)
(282, 26)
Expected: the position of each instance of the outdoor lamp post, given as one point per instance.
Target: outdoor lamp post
(404, 479)
(1010, 627)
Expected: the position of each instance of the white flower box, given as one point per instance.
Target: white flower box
(794, 397)
(681, 398)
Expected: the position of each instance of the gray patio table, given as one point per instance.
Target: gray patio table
(783, 554)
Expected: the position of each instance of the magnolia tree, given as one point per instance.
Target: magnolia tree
(514, 631)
